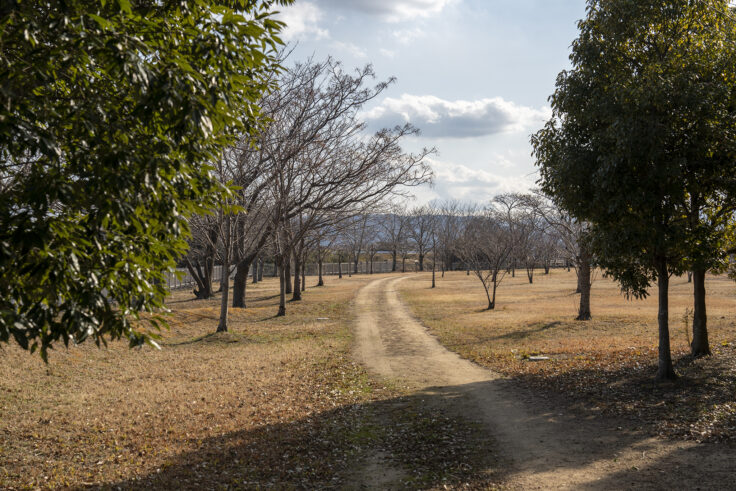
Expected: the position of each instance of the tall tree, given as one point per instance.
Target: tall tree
(323, 162)
(108, 111)
(642, 124)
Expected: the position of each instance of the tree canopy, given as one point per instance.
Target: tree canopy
(109, 111)
(642, 125)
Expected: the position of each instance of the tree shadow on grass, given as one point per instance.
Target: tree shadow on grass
(431, 440)
(510, 335)
(699, 406)
(212, 337)
(184, 300)
(696, 414)
(263, 298)
(399, 443)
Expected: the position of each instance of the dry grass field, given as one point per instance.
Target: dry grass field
(603, 366)
(276, 402)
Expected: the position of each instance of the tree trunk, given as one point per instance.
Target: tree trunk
(546, 267)
(297, 294)
(583, 270)
(339, 267)
(493, 300)
(355, 264)
(260, 269)
(490, 302)
(513, 268)
(222, 325)
(287, 273)
(530, 275)
(320, 281)
(403, 265)
(282, 288)
(700, 345)
(665, 370)
(371, 264)
(225, 278)
(689, 276)
(240, 281)
(255, 270)
(204, 288)
(433, 268)
(209, 271)
(393, 260)
(276, 266)
(304, 273)
(421, 262)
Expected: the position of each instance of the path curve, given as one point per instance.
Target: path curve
(548, 450)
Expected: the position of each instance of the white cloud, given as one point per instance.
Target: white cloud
(458, 181)
(406, 36)
(387, 53)
(503, 161)
(440, 118)
(393, 10)
(302, 22)
(351, 48)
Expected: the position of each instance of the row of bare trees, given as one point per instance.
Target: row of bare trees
(513, 233)
(312, 184)
(301, 181)
(522, 231)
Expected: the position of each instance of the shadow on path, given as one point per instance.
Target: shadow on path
(548, 445)
(433, 439)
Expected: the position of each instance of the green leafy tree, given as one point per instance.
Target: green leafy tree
(641, 141)
(109, 111)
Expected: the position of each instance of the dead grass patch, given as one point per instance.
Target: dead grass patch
(277, 402)
(607, 364)
(206, 410)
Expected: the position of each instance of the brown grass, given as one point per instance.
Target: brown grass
(275, 402)
(607, 363)
(208, 409)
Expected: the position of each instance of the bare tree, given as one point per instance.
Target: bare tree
(355, 237)
(393, 226)
(419, 231)
(322, 160)
(323, 239)
(370, 254)
(434, 225)
(528, 238)
(447, 227)
(249, 170)
(551, 246)
(200, 259)
(571, 234)
(485, 246)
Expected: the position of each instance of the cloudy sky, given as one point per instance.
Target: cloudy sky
(473, 75)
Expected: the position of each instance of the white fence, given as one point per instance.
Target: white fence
(183, 278)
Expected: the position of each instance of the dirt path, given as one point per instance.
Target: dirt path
(547, 449)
